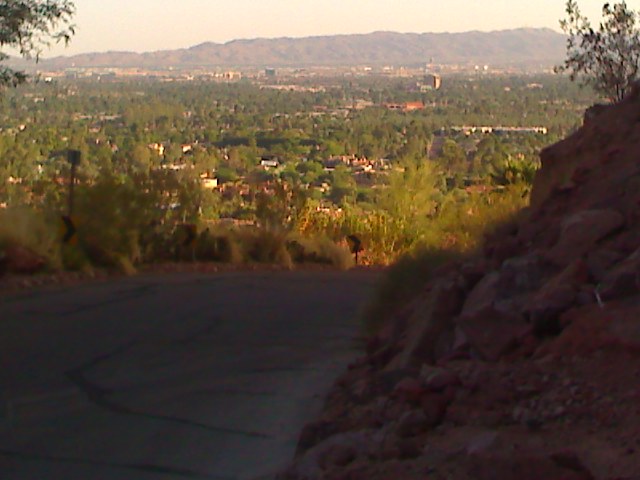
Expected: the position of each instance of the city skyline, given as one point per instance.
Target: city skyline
(152, 25)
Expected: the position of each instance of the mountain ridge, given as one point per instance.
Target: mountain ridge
(523, 46)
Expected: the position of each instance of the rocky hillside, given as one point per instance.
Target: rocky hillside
(522, 364)
(527, 47)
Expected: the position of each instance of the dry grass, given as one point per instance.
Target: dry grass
(28, 228)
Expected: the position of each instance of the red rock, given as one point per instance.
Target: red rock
(409, 448)
(555, 297)
(601, 261)
(483, 295)
(623, 280)
(409, 390)
(434, 408)
(593, 328)
(529, 344)
(23, 260)
(493, 333)
(582, 336)
(500, 250)
(337, 455)
(437, 379)
(580, 232)
(570, 461)
(521, 466)
(383, 356)
(482, 442)
(544, 309)
(412, 423)
(431, 319)
(473, 271)
(523, 274)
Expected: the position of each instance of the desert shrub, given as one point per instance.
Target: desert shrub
(264, 246)
(157, 243)
(221, 246)
(463, 225)
(321, 250)
(459, 223)
(75, 258)
(125, 220)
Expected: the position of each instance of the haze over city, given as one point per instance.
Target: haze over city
(149, 25)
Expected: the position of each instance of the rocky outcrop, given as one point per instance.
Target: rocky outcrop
(522, 364)
(20, 260)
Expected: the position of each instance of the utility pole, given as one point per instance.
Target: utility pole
(73, 157)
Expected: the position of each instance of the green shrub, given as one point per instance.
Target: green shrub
(110, 216)
(126, 220)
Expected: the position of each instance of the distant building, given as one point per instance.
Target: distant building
(210, 183)
(159, 148)
(232, 76)
(499, 130)
(431, 81)
(269, 161)
(436, 81)
(411, 106)
(405, 107)
(270, 72)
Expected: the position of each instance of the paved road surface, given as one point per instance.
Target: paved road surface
(177, 377)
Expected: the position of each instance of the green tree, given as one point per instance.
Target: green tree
(279, 210)
(453, 156)
(29, 26)
(607, 59)
(411, 196)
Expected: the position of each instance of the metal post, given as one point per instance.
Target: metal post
(73, 156)
(72, 183)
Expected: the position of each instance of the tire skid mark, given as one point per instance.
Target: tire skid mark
(99, 396)
(119, 297)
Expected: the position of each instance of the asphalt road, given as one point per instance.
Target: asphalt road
(182, 376)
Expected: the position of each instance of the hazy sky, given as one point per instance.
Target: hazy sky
(147, 25)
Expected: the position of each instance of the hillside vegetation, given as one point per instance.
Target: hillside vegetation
(240, 172)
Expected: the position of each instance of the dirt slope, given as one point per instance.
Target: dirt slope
(523, 363)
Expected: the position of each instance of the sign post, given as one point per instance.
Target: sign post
(73, 157)
(68, 227)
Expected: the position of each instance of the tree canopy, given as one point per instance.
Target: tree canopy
(28, 26)
(607, 59)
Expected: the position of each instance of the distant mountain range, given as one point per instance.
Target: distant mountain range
(525, 47)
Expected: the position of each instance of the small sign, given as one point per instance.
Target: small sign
(69, 232)
(356, 245)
